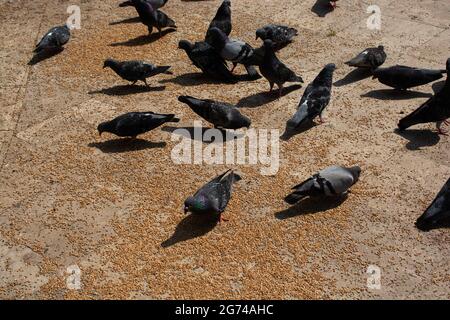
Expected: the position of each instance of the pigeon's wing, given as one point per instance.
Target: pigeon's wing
(361, 60)
(236, 50)
(206, 58)
(164, 21)
(219, 113)
(54, 38)
(282, 34)
(337, 179)
(438, 213)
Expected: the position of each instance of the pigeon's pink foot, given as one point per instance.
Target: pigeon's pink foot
(333, 5)
(322, 120)
(442, 132)
(222, 219)
(447, 122)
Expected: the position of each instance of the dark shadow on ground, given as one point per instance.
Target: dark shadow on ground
(354, 76)
(125, 21)
(198, 133)
(311, 206)
(262, 98)
(123, 90)
(39, 57)
(125, 145)
(143, 40)
(419, 138)
(289, 133)
(392, 94)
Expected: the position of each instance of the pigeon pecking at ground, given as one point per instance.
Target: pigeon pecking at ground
(436, 109)
(331, 181)
(233, 50)
(315, 98)
(54, 39)
(370, 58)
(221, 21)
(135, 70)
(403, 77)
(156, 4)
(205, 57)
(152, 17)
(213, 197)
(222, 115)
(280, 35)
(437, 215)
(134, 123)
(274, 70)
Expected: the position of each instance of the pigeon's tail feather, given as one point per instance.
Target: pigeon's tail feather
(409, 121)
(126, 4)
(292, 32)
(294, 197)
(189, 100)
(296, 78)
(443, 71)
(172, 118)
(163, 69)
(236, 177)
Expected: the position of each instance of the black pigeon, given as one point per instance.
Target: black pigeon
(205, 57)
(156, 4)
(331, 181)
(403, 77)
(315, 98)
(135, 70)
(213, 197)
(134, 123)
(152, 17)
(437, 214)
(222, 115)
(274, 70)
(54, 39)
(436, 109)
(222, 20)
(370, 58)
(280, 35)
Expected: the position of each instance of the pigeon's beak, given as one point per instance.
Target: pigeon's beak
(186, 210)
(257, 37)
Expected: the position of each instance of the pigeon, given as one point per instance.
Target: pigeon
(152, 17)
(315, 98)
(333, 4)
(204, 57)
(222, 115)
(437, 214)
(156, 4)
(331, 181)
(436, 109)
(213, 197)
(274, 70)
(222, 20)
(280, 35)
(403, 77)
(233, 50)
(134, 123)
(135, 70)
(370, 58)
(54, 39)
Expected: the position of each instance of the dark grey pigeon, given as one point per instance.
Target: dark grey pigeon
(233, 50)
(436, 109)
(134, 123)
(437, 214)
(280, 35)
(222, 115)
(370, 58)
(315, 98)
(152, 17)
(213, 197)
(331, 181)
(274, 70)
(403, 77)
(135, 70)
(222, 20)
(156, 4)
(204, 57)
(54, 39)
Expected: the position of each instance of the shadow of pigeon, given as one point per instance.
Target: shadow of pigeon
(437, 86)
(143, 40)
(322, 8)
(289, 133)
(311, 206)
(125, 21)
(123, 90)
(125, 145)
(392, 94)
(39, 57)
(193, 133)
(192, 226)
(195, 79)
(419, 138)
(262, 98)
(354, 76)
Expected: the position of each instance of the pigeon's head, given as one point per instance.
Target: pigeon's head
(199, 204)
(103, 127)
(239, 121)
(185, 45)
(356, 172)
(381, 47)
(330, 67)
(188, 204)
(261, 34)
(108, 63)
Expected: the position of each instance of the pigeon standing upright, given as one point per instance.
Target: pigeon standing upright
(152, 17)
(204, 57)
(222, 20)
(222, 115)
(331, 181)
(403, 77)
(156, 4)
(54, 39)
(437, 215)
(134, 123)
(274, 70)
(280, 35)
(135, 70)
(213, 197)
(315, 98)
(436, 109)
(370, 58)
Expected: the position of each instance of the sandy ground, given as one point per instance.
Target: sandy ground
(68, 197)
